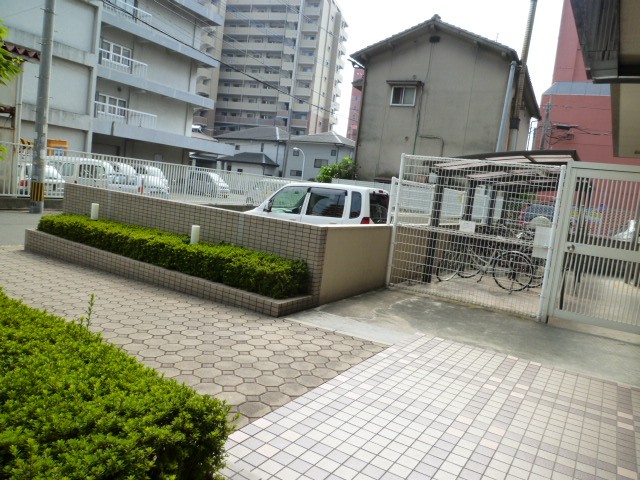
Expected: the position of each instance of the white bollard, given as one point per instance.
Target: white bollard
(95, 207)
(195, 234)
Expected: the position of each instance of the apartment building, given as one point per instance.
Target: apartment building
(124, 74)
(281, 66)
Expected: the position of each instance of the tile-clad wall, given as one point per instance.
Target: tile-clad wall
(43, 243)
(286, 239)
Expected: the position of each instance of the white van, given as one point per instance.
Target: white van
(329, 203)
(209, 184)
(97, 173)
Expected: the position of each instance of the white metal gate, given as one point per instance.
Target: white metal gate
(595, 274)
(474, 231)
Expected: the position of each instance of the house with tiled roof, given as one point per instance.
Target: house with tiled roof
(436, 89)
(273, 151)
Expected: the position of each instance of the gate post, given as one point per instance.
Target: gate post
(554, 264)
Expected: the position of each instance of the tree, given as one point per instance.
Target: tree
(9, 68)
(345, 168)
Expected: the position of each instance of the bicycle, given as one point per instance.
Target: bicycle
(512, 270)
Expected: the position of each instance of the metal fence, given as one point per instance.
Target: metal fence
(143, 177)
(475, 231)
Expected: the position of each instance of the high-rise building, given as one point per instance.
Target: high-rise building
(281, 65)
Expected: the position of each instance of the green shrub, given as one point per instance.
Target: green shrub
(238, 267)
(72, 406)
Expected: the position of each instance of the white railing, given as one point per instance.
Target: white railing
(126, 10)
(126, 116)
(123, 64)
(167, 180)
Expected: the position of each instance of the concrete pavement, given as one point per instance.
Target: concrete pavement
(384, 385)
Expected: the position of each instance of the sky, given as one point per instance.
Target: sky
(504, 21)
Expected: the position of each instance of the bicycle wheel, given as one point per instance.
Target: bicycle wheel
(512, 271)
(537, 264)
(448, 267)
(469, 263)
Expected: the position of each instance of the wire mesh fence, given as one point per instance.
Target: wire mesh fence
(475, 231)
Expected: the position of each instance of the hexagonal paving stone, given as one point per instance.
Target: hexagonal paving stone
(254, 410)
(281, 359)
(324, 373)
(275, 399)
(228, 380)
(287, 372)
(208, 388)
(206, 373)
(310, 381)
(248, 372)
(293, 389)
(269, 380)
(232, 398)
(251, 389)
(188, 365)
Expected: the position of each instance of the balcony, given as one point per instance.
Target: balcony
(122, 64)
(125, 116)
(128, 11)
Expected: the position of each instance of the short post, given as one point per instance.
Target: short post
(195, 234)
(95, 208)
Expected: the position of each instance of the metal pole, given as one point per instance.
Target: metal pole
(42, 110)
(505, 107)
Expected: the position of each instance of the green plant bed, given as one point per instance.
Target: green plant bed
(238, 267)
(72, 406)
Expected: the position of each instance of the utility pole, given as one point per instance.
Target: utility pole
(515, 116)
(42, 110)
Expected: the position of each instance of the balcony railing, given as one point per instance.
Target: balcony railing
(126, 10)
(123, 115)
(122, 64)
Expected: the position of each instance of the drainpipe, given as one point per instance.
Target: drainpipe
(515, 116)
(505, 108)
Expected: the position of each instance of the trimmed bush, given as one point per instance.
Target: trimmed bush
(238, 267)
(73, 406)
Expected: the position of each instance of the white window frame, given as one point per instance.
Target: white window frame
(116, 53)
(404, 89)
(112, 105)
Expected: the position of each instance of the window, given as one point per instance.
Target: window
(320, 162)
(326, 203)
(403, 96)
(356, 205)
(296, 153)
(112, 53)
(295, 173)
(111, 106)
(290, 199)
(237, 147)
(334, 153)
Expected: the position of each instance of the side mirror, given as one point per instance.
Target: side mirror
(269, 205)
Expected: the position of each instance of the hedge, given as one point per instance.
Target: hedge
(238, 267)
(75, 407)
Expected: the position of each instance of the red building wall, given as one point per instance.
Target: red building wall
(576, 113)
(354, 107)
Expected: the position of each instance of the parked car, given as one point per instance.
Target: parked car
(536, 214)
(326, 204)
(83, 171)
(208, 184)
(153, 180)
(629, 231)
(263, 189)
(53, 181)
